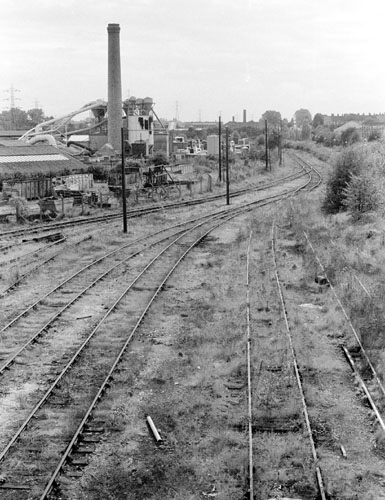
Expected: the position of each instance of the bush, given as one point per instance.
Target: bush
(361, 195)
(350, 136)
(349, 163)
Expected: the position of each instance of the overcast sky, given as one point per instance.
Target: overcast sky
(210, 56)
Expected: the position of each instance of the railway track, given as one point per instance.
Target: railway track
(298, 375)
(76, 387)
(357, 356)
(107, 218)
(40, 252)
(276, 402)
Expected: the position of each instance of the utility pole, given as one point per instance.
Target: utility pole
(266, 147)
(124, 185)
(280, 143)
(220, 149)
(227, 169)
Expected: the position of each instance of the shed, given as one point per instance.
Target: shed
(32, 168)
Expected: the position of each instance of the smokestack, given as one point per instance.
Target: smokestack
(114, 108)
(244, 116)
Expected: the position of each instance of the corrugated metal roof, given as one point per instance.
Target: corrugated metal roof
(12, 133)
(27, 150)
(37, 159)
(12, 143)
(31, 169)
(24, 158)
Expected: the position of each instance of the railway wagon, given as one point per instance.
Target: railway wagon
(30, 189)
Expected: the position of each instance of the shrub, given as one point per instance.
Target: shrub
(361, 195)
(350, 136)
(349, 163)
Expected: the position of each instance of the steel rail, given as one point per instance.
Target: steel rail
(356, 336)
(225, 216)
(364, 388)
(44, 328)
(34, 338)
(110, 310)
(105, 384)
(83, 269)
(297, 370)
(86, 342)
(40, 264)
(305, 163)
(249, 393)
(80, 271)
(142, 211)
(6, 365)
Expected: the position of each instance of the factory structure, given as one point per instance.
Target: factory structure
(52, 155)
(104, 134)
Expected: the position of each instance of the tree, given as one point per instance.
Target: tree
(350, 136)
(35, 116)
(273, 139)
(306, 131)
(301, 116)
(18, 119)
(349, 163)
(361, 195)
(318, 120)
(272, 117)
(324, 135)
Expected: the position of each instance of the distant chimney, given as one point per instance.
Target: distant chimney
(244, 116)
(114, 108)
(233, 118)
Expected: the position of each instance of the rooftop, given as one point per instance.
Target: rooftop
(36, 159)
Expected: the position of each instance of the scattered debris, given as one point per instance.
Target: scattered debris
(321, 280)
(212, 493)
(310, 306)
(154, 430)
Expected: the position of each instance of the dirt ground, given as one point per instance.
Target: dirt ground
(187, 370)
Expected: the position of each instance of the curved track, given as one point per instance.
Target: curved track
(142, 211)
(80, 382)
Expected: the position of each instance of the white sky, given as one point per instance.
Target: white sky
(209, 55)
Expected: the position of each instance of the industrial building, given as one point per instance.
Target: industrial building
(28, 170)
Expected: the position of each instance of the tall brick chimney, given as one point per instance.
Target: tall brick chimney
(244, 116)
(114, 108)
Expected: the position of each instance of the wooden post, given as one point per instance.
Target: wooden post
(124, 200)
(220, 149)
(266, 147)
(227, 169)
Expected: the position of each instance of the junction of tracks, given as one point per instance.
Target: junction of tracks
(205, 318)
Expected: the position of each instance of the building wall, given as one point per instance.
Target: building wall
(213, 145)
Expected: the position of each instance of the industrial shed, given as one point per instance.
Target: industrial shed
(27, 171)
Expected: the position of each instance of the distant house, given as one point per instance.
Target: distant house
(351, 124)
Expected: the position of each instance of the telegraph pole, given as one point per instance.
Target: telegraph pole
(124, 185)
(266, 148)
(220, 149)
(280, 143)
(227, 169)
